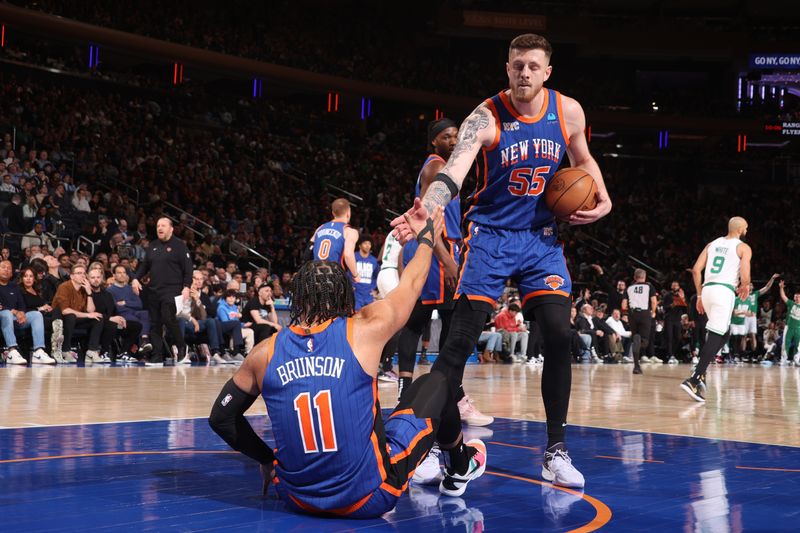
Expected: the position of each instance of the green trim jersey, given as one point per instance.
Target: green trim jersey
(739, 305)
(792, 315)
(752, 302)
(722, 266)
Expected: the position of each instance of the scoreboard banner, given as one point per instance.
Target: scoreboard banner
(783, 128)
(775, 61)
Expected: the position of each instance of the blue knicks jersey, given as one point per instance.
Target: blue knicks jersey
(524, 156)
(329, 242)
(323, 409)
(452, 213)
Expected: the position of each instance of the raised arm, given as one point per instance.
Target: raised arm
(375, 324)
(350, 240)
(782, 285)
(745, 254)
(478, 129)
(765, 289)
(580, 157)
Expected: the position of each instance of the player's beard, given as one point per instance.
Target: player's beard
(524, 95)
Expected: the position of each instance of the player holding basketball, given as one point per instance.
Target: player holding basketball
(333, 454)
(336, 240)
(524, 133)
(726, 262)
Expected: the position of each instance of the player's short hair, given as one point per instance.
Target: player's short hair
(321, 291)
(340, 206)
(639, 273)
(531, 41)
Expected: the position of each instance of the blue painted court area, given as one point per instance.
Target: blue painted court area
(178, 476)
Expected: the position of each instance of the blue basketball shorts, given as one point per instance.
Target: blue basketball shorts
(534, 259)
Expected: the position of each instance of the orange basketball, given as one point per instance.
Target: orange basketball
(570, 190)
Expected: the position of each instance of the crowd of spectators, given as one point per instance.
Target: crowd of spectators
(89, 172)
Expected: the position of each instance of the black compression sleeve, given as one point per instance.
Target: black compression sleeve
(228, 421)
(447, 180)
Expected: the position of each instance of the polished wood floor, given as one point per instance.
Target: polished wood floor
(745, 403)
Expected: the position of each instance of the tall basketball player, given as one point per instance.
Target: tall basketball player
(722, 266)
(335, 240)
(523, 132)
(334, 455)
(438, 290)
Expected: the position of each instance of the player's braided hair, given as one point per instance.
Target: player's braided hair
(321, 291)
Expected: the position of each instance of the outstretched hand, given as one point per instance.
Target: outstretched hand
(408, 225)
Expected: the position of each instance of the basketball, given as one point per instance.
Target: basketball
(570, 190)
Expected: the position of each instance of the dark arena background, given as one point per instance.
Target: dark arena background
(239, 123)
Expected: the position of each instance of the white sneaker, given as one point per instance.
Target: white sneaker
(387, 377)
(557, 468)
(557, 503)
(471, 415)
(429, 471)
(695, 360)
(40, 357)
(672, 361)
(186, 360)
(102, 358)
(627, 359)
(644, 359)
(14, 358)
(217, 359)
(92, 356)
(656, 361)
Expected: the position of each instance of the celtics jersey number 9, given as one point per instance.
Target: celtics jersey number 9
(722, 265)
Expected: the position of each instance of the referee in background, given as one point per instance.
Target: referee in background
(640, 303)
(169, 264)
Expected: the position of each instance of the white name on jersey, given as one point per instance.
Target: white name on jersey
(314, 365)
(541, 148)
(328, 232)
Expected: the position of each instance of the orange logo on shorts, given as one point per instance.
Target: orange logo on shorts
(554, 281)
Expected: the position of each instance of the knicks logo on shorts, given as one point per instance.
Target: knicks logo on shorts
(554, 282)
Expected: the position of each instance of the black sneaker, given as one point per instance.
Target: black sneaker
(701, 382)
(637, 369)
(454, 484)
(692, 388)
(423, 360)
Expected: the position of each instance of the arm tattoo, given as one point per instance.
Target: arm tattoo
(437, 194)
(468, 134)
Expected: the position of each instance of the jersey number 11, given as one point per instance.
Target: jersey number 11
(324, 408)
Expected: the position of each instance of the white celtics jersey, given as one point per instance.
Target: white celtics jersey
(391, 252)
(722, 265)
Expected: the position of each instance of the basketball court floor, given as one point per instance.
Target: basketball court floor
(129, 448)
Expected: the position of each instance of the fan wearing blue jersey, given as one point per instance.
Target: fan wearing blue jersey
(523, 133)
(368, 268)
(336, 240)
(334, 454)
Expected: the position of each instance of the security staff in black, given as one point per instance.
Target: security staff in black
(640, 302)
(169, 264)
